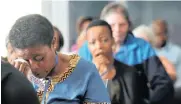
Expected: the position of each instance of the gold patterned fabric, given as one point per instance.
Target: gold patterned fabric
(74, 59)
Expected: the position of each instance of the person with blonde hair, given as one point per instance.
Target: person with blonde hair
(144, 32)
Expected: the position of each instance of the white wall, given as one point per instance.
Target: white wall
(10, 11)
(57, 12)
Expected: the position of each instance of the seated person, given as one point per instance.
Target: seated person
(69, 79)
(146, 33)
(16, 89)
(122, 80)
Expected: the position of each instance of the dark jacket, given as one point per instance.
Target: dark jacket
(123, 87)
(15, 87)
(155, 86)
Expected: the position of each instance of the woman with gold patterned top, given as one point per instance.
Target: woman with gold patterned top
(120, 79)
(68, 79)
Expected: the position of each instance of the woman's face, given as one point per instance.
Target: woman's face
(99, 41)
(119, 26)
(40, 58)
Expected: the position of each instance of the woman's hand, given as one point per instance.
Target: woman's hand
(101, 60)
(22, 66)
(105, 67)
(102, 63)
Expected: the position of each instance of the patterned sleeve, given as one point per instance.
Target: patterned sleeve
(96, 92)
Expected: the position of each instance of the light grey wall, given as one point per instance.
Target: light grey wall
(143, 12)
(58, 13)
(135, 12)
(46, 9)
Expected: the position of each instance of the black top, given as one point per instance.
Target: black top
(15, 87)
(122, 88)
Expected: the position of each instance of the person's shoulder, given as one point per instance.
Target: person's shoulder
(174, 46)
(86, 67)
(141, 42)
(83, 51)
(176, 49)
(84, 46)
(123, 68)
(145, 47)
(5, 70)
(8, 70)
(86, 64)
(21, 85)
(14, 74)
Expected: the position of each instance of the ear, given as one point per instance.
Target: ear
(53, 45)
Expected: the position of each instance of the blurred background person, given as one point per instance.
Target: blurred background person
(59, 39)
(117, 76)
(82, 23)
(135, 52)
(166, 48)
(81, 39)
(146, 33)
(15, 88)
(81, 26)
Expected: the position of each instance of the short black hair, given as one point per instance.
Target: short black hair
(31, 30)
(99, 22)
(61, 39)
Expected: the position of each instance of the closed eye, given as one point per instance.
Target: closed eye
(38, 58)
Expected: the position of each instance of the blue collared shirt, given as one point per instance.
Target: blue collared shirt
(173, 53)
